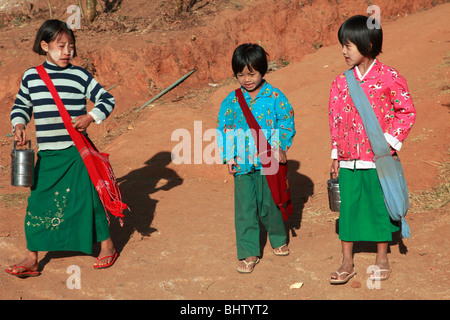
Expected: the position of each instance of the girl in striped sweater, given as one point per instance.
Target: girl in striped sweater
(64, 212)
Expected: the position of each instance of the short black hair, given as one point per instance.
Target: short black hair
(48, 32)
(249, 55)
(367, 37)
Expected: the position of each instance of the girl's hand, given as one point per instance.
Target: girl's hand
(231, 166)
(20, 135)
(335, 168)
(280, 155)
(81, 123)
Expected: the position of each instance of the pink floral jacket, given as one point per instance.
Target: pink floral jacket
(389, 96)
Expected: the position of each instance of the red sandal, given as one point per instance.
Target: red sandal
(24, 274)
(114, 258)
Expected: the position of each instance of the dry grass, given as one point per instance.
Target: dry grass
(13, 200)
(437, 197)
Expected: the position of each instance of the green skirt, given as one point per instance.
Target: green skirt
(363, 215)
(64, 212)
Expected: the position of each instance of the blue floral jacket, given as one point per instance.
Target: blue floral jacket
(274, 114)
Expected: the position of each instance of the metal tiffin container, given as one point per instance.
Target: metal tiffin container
(334, 196)
(22, 166)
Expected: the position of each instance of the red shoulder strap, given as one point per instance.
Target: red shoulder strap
(48, 82)
(278, 185)
(67, 120)
(97, 164)
(253, 124)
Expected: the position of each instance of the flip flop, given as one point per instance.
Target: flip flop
(114, 258)
(279, 252)
(24, 274)
(342, 281)
(376, 276)
(251, 263)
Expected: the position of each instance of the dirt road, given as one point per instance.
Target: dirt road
(178, 243)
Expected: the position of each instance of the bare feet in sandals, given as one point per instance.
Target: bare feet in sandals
(28, 267)
(107, 256)
(247, 265)
(281, 251)
(382, 272)
(345, 272)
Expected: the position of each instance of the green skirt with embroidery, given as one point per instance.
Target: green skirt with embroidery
(64, 212)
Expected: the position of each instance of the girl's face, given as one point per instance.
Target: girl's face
(351, 54)
(250, 80)
(60, 50)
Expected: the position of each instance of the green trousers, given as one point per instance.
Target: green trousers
(253, 203)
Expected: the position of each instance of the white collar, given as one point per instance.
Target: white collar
(367, 71)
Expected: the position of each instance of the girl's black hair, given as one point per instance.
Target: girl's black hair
(360, 31)
(48, 32)
(249, 55)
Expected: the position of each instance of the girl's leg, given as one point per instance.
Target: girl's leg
(102, 235)
(382, 261)
(107, 249)
(246, 221)
(382, 253)
(346, 267)
(271, 217)
(30, 262)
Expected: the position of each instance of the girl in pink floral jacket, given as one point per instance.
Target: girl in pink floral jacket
(363, 215)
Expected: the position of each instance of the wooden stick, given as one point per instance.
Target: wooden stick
(166, 90)
(50, 9)
(81, 8)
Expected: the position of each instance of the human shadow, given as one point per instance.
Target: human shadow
(136, 188)
(302, 188)
(54, 255)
